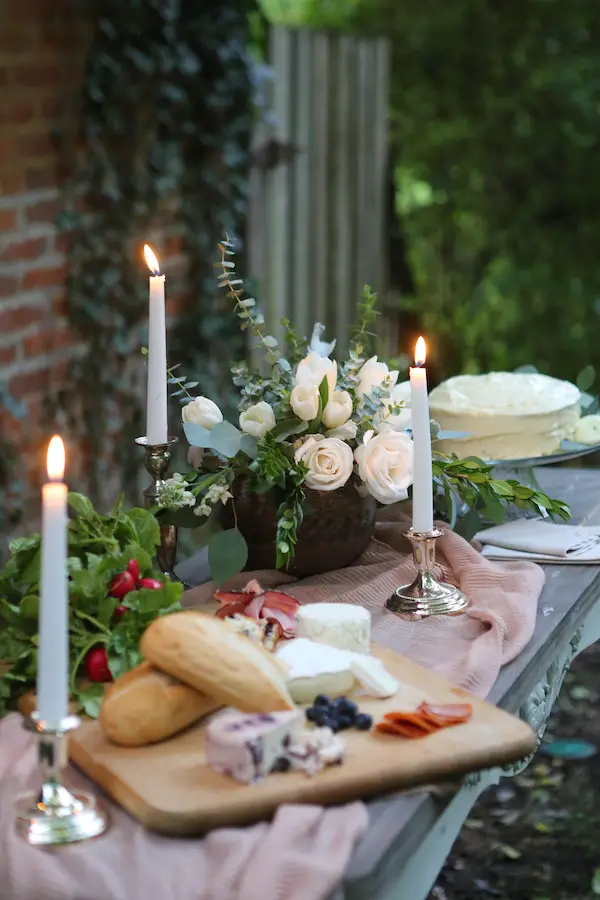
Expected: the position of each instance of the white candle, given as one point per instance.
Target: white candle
(423, 473)
(53, 649)
(156, 397)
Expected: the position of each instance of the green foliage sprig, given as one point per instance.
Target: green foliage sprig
(99, 547)
(471, 480)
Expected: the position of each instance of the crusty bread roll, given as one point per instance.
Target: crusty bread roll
(145, 706)
(204, 652)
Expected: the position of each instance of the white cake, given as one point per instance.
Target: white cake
(342, 625)
(506, 415)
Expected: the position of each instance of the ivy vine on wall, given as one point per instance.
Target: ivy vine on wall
(163, 144)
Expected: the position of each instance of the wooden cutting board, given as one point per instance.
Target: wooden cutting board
(169, 788)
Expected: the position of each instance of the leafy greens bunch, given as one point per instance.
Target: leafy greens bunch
(99, 548)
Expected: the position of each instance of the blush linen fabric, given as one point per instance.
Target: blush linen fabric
(303, 852)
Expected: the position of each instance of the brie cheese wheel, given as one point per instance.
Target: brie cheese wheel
(316, 669)
(246, 746)
(341, 625)
(505, 415)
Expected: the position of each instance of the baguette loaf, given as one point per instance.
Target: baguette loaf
(145, 706)
(206, 653)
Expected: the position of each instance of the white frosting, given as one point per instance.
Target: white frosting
(506, 415)
(340, 625)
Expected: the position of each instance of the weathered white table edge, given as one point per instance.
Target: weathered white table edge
(410, 837)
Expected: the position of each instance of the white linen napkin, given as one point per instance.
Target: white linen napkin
(543, 541)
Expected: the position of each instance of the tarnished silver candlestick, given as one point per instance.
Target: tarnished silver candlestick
(426, 596)
(157, 458)
(54, 814)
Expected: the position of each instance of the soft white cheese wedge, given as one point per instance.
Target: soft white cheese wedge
(373, 676)
(341, 625)
(316, 668)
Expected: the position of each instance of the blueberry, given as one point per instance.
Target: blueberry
(322, 700)
(331, 722)
(312, 713)
(321, 716)
(345, 721)
(348, 708)
(281, 765)
(363, 721)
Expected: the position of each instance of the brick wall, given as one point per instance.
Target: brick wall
(43, 46)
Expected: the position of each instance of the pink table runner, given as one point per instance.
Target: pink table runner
(303, 853)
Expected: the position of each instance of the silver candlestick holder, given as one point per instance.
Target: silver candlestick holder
(157, 459)
(54, 814)
(426, 596)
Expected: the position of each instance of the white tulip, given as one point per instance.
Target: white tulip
(385, 464)
(329, 462)
(304, 401)
(258, 419)
(312, 370)
(202, 411)
(338, 409)
(346, 432)
(372, 375)
(400, 421)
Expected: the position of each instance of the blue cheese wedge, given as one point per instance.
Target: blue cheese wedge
(247, 746)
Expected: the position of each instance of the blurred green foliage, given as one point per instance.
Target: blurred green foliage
(496, 126)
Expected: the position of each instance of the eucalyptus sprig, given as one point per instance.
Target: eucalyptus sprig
(471, 479)
(361, 332)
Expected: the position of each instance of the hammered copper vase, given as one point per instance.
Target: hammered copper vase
(334, 533)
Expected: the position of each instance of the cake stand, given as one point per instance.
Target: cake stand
(524, 469)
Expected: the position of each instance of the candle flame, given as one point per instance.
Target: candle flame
(420, 352)
(151, 259)
(56, 459)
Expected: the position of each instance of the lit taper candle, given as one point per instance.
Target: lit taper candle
(156, 397)
(53, 649)
(423, 472)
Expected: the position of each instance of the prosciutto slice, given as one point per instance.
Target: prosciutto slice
(254, 602)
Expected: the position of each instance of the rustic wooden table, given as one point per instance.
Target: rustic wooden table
(410, 836)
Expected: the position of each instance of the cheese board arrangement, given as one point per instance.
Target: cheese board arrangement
(235, 713)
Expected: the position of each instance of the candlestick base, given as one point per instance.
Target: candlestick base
(54, 815)
(426, 596)
(157, 458)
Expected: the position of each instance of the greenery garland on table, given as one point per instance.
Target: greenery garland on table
(166, 116)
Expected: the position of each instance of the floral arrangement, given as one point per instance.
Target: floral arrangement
(114, 593)
(311, 423)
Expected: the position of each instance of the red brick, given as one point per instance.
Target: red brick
(20, 317)
(4, 72)
(16, 113)
(46, 342)
(35, 75)
(11, 183)
(38, 381)
(7, 150)
(45, 211)
(8, 286)
(42, 278)
(32, 248)
(49, 107)
(15, 40)
(60, 306)
(62, 242)
(8, 355)
(32, 145)
(8, 219)
(42, 177)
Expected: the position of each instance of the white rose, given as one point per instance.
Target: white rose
(304, 401)
(329, 462)
(587, 430)
(312, 370)
(345, 432)
(258, 419)
(338, 409)
(400, 421)
(372, 375)
(385, 464)
(202, 411)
